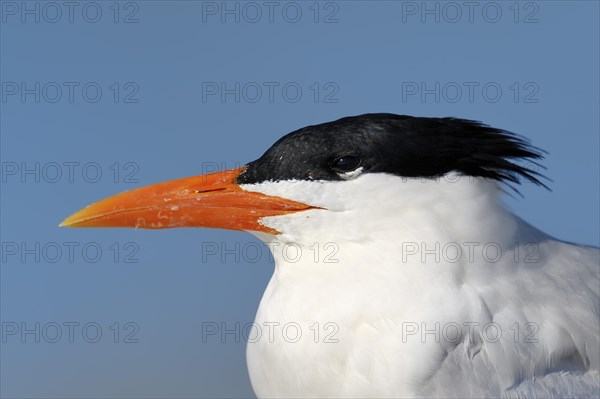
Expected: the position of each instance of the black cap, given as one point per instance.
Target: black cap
(401, 145)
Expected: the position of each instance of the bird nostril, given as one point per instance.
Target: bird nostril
(210, 190)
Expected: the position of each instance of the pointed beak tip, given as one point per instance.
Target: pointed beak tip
(69, 221)
(75, 219)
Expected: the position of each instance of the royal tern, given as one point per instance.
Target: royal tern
(431, 287)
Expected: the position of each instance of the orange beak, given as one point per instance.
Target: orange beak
(211, 200)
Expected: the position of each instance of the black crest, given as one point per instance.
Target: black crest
(402, 145)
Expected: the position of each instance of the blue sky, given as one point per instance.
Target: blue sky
(101, 97)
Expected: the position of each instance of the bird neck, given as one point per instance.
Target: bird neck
(387, 212)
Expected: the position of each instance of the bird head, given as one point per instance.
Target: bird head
(362, 165)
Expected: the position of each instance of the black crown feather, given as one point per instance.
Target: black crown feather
(402, 145)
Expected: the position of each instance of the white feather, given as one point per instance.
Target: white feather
(380, 290)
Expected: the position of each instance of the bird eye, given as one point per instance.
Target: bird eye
(346, 163)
